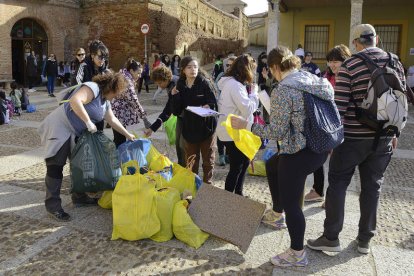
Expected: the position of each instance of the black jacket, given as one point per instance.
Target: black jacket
(51, 68)
(87, 70)
(195, 128)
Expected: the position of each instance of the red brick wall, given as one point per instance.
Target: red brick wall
(118, 26)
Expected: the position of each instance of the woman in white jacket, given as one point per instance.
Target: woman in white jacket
(235, 99)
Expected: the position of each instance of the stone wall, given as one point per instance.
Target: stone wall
(207, 31)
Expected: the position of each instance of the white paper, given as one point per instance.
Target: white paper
(265, 100)
(203, 112)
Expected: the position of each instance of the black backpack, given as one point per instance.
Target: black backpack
(384, 108)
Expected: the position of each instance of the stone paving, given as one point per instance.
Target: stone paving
(33, 244)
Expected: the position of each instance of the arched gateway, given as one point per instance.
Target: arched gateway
(27, 35)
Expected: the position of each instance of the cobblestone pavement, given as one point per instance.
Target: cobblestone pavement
(33, 244)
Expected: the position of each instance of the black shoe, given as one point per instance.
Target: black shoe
(363, 246)
(52, 95)
(85, 201)
(60, 216)
(323, 244)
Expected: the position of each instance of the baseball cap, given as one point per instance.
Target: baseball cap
(363, 31)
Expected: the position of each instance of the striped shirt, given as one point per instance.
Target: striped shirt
(353, 79)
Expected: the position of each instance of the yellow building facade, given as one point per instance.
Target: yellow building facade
(320, 25)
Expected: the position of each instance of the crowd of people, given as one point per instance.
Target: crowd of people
(232, 88)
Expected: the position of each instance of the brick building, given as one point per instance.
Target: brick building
(60, 26)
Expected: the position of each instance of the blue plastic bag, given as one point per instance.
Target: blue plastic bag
(135, 150)
(30, 108)
(268, 154)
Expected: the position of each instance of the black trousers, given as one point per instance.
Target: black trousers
(118, 138)
(54, 177)
(144, 79)
(318, 181)
(372, 165)
(286, 184)
(220, 147)
(238, 167)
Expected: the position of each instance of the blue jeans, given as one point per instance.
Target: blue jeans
(50, 84)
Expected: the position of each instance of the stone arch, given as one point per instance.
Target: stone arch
(27, 34)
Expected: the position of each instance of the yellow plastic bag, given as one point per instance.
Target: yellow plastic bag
(106, 200)
(160, 162)
(184, 228)
(129, 168)
(166, 199)
(158, 180)
(183, 180)
(134, 208)
(152, 154)
(245, 140)
(258, 169)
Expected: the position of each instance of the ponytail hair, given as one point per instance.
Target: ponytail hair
(283, 58)
(131, 63)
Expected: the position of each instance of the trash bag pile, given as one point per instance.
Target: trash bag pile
(147, 192)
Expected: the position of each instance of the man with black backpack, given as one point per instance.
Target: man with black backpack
(370, 93)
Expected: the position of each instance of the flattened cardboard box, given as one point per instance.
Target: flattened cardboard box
(228, 216)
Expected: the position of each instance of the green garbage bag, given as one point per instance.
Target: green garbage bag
(94, 164)
(170, 126)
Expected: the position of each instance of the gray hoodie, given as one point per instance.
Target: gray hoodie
(287, 111)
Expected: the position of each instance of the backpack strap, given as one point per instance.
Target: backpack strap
(370, 64)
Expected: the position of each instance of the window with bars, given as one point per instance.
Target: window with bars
(389, 37)
(317, 40)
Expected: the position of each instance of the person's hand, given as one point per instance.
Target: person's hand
(255, 89)
(265, 73)
(148, 132)
(238, 122)
(174, 91)
(206, 106)
(130, 136)
(147, 123)
(394, 143)
(91, 126)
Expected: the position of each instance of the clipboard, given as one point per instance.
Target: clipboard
(203, 112)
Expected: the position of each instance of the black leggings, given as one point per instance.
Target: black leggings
(287, 175)
(318, 181)
(238, 167)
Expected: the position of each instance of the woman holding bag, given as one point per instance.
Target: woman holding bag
(234, 99)
(295, 160)
(89, 104)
